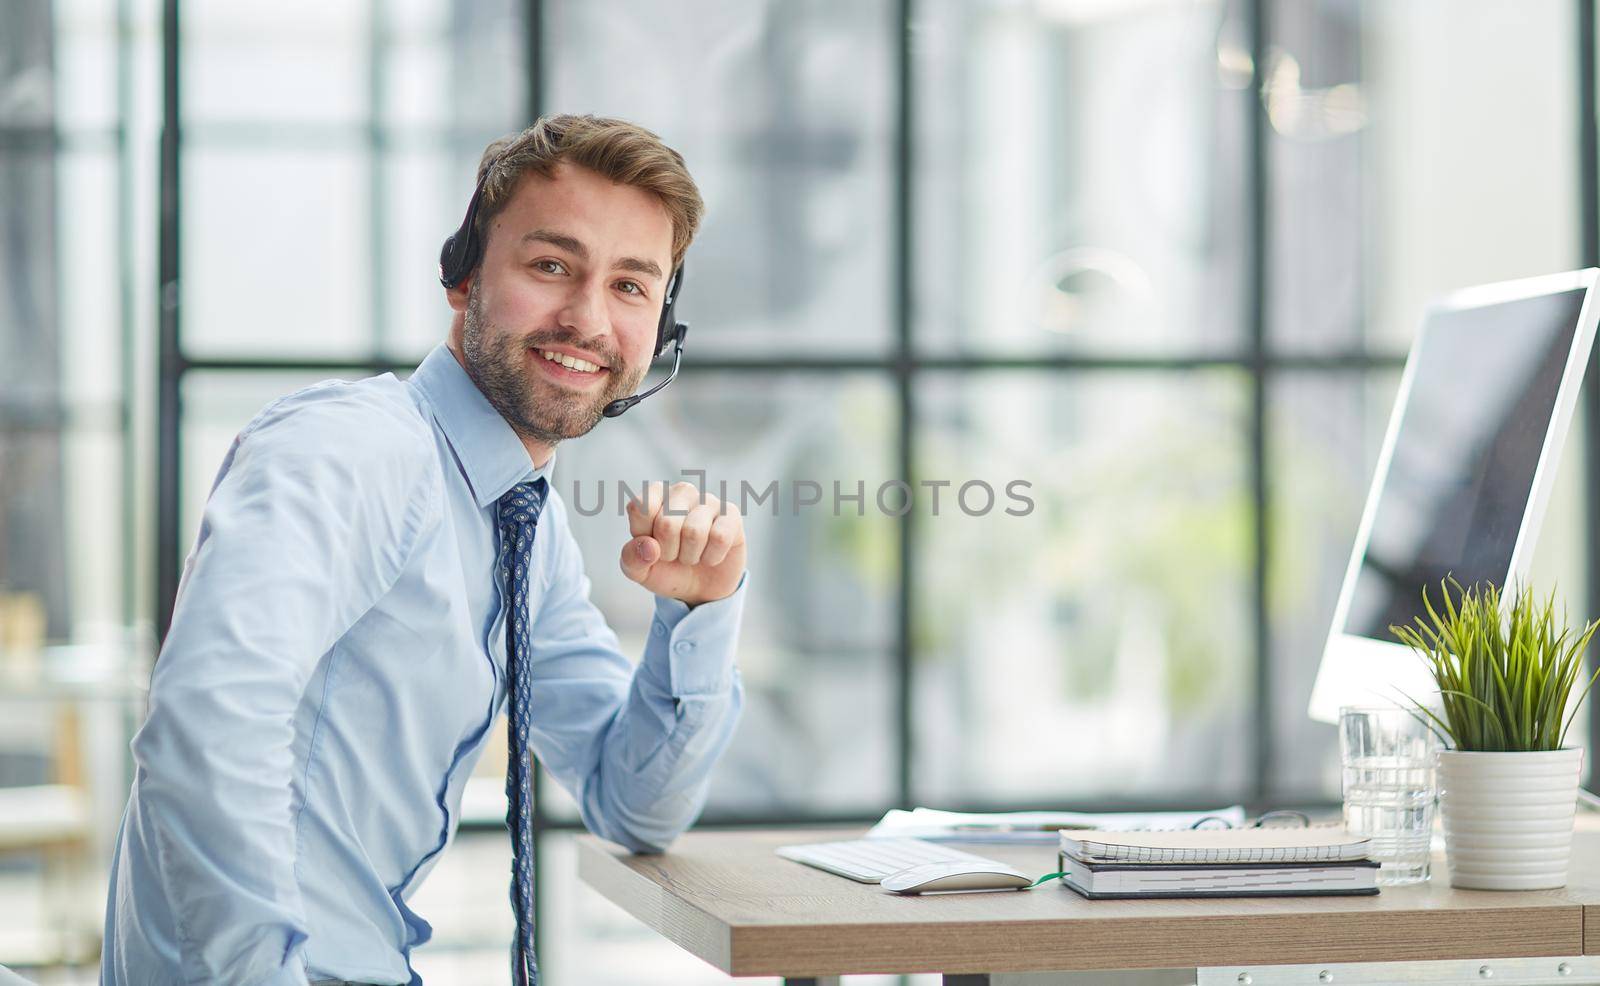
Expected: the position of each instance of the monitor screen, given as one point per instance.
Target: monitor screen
(1483, 391)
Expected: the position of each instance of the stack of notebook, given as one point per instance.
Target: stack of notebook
(1250, 862)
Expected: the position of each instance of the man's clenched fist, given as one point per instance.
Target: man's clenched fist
(686, 544)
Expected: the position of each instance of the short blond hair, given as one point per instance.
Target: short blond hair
(616, 149)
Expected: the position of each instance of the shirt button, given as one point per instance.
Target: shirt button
(658, 628)
(684, 647)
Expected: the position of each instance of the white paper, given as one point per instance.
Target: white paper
(1041, 827)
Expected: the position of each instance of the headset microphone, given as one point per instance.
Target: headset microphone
(668, 328)
(616, 407)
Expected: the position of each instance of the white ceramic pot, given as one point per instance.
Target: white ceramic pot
(1508, 817)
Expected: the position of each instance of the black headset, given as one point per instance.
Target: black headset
(464, 248)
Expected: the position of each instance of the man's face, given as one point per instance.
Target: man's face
(574, 271)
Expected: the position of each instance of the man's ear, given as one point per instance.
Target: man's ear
(457, 296)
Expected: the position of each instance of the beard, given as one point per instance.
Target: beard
(496, 360)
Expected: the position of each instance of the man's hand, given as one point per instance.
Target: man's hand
(686, 545)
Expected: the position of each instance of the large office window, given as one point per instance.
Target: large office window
(1159, 261)
(1385, 190)
(75, 139)
(1080, 278)
(77, 244)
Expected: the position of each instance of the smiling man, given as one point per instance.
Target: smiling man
(383, 568)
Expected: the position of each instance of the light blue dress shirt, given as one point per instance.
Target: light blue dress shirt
(335, 665)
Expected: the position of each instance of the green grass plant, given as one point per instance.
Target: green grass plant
(1505, 674)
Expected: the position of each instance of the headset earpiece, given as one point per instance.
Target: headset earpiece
(667, 327)
(461, 248)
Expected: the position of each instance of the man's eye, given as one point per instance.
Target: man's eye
(630, 287)
(549, 266)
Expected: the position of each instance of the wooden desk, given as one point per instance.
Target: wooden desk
(727, 898)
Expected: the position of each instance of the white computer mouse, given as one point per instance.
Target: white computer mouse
(958, 875)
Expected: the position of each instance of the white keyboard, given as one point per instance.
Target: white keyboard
(870, 860)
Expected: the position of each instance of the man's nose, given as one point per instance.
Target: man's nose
(584, 309)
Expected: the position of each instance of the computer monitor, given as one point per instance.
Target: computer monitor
(1466, 469)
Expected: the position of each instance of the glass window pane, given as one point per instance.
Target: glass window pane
(26, 72)
(90, 248)
(1079, 177)
(34, 402)
(1318, 131)
(782, 112)
(276, 257)
(815, 651)
(1385, 191)
(425, 195)
(1099, 646)
(139, 175)
(32, 525)
(86, 64)
(1325, 432)
(94, 528)
(296, 61)
(460, 66)
(30, 357)
(66, 546)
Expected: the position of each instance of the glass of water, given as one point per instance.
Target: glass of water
(1388, 758)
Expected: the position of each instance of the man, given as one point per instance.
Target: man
(382, 567)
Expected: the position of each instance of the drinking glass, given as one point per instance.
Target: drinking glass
(1388, 758)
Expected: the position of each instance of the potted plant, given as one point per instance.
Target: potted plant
(1508, 784)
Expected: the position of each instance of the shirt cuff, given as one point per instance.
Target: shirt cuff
(699, 643)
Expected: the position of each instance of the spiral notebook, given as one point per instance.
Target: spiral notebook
(1128, 881)
(1248, 845)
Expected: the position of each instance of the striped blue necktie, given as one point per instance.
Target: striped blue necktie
(519, 513)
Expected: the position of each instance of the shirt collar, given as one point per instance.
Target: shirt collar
(491, 455)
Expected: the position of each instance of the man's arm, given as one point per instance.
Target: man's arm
(302, 534)
(634, 747)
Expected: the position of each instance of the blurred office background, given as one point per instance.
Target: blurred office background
(1160, 259)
